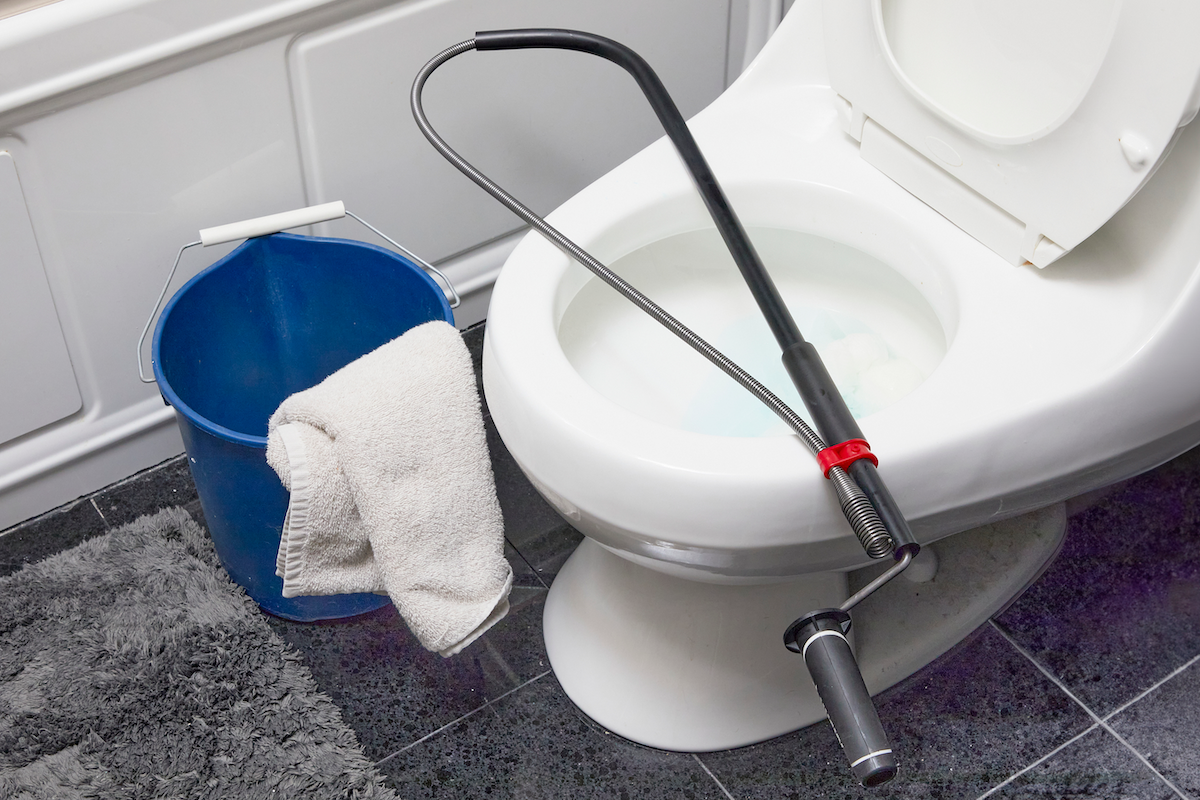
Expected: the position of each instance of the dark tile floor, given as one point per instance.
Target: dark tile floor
(1087, 687)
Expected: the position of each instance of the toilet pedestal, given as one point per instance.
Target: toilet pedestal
(691, 666)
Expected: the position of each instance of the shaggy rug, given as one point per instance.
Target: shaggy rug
(131, 667)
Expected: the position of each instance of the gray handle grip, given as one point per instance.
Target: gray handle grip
(831, 663)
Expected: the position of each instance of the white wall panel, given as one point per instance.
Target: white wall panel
(542, 123)
(115, 185)
(37, 384)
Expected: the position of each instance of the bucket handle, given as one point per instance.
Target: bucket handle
(274, 223)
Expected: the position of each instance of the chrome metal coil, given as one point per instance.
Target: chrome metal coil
(855, 505)
(867, 525)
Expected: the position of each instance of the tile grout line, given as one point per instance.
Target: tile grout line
(1144, 760)
(532, 568)
(1038, 762)
(1101, 722)
(1173, 674)
(96, 506)
(499, 659)
(451, 724)
(710, 774)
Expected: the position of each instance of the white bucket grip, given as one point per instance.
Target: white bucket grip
(273, 223)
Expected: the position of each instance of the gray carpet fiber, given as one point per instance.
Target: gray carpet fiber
(131, 667)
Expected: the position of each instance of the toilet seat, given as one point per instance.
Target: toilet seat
(1029, 196)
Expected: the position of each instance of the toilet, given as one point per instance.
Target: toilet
(986, 216)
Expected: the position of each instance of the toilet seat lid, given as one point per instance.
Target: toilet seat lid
(1027, 141)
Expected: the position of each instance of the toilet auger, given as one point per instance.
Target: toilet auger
(849, 464)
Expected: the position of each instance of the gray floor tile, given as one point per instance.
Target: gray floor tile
(547, 552)
(968, 721)
(1094, 766)
(50, 533)
(162, 486)
(523, 573)
(473, 339)
(1120, 607)
(1165, 728)
(534, 744)
(392, 691)
(532, 526)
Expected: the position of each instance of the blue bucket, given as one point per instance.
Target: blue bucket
(274, 317)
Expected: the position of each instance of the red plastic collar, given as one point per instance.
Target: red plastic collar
(844, 454)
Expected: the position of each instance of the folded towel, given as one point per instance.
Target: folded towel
(392, 489)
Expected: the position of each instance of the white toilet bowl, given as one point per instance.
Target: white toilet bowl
(987, 390)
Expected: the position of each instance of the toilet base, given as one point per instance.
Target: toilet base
(690, 666)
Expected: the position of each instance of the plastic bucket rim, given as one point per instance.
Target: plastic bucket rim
(204, 423)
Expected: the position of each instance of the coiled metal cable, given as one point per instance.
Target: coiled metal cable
(855, 505)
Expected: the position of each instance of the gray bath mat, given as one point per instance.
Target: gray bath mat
(131, 667)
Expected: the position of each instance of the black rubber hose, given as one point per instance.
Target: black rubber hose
(835, 423)
(761, 286)
(820, 395)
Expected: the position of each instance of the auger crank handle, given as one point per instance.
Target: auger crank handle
(820, 637)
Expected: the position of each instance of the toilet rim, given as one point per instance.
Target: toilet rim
(568, 434)
(538, 283)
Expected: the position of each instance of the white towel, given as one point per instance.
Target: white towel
(392, 489)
